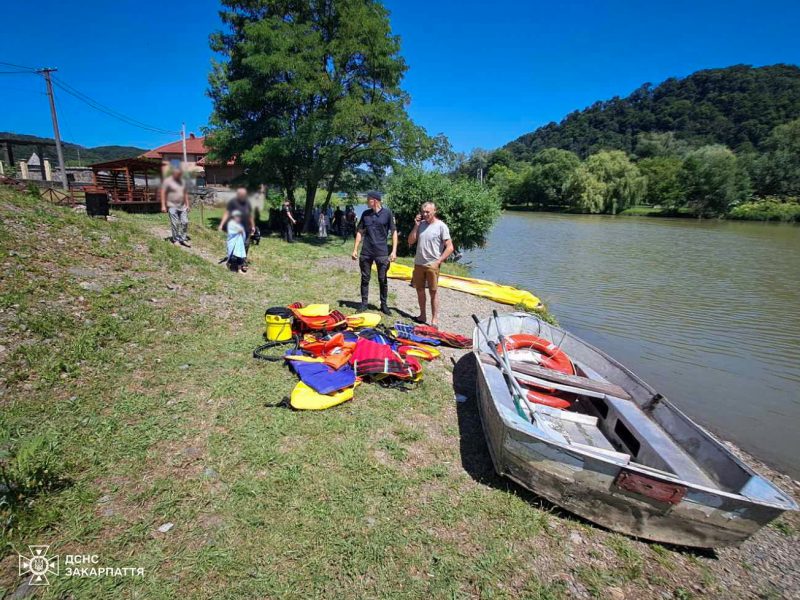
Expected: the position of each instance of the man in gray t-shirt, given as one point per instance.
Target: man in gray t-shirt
(175, 201)
(432, 237)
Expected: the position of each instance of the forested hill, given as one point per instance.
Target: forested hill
(737, 106)
(73, 153)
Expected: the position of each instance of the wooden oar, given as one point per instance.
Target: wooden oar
(550, 378)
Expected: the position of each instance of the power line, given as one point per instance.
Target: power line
(8, 64)
(87, 99)
(107, 110)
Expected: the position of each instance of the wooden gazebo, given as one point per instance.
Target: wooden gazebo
(129, 182)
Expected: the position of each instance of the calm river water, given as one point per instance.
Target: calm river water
(706, 312)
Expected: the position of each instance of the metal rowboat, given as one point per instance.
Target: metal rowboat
(636, 465)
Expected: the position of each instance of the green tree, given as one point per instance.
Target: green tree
(470, 166)
(659, 144)
(778, 171)
(714, 180)
(623, 184)
(546, 182)
(308, 91)
(664, 184)
(469, 208)
(505, 181)
(500, 157)
(586, 193)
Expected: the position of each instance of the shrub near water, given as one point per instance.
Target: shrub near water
(769, 209)
(468, 208)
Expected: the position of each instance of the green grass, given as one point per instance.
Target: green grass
(784, 527)
(130, 400)
(657, 211)
(135, 357)
(640, 211)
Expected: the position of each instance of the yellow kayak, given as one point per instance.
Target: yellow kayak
(504, 294)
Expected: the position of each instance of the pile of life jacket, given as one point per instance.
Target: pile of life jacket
(335, 353)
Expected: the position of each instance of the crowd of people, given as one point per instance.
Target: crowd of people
(373, 233)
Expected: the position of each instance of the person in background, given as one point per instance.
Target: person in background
(376, 223)
(322, 230)
(432, 237)
(175, 201)
(288, 222)
(338, 215)
(241, 203)
(349, 222)
(235, 242)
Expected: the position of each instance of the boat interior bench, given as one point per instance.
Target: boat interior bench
(632, 431)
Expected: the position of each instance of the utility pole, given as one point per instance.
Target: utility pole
(183, 142)
(56, 133)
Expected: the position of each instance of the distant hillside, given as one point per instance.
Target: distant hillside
(737, 106)
(73, 153)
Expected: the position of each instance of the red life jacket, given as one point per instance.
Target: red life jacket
(331, 322)
(453, 340)
(372, 358)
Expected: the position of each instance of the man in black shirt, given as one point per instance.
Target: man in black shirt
(288, 222)
(374, 227)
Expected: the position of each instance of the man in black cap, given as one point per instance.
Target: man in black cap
(374, 227)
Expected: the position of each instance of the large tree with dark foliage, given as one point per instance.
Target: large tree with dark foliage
(308, 91)
(777, 172)
(737, 106)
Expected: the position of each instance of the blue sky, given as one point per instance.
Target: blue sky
(482, 73)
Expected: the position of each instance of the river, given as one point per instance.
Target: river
(708, 312)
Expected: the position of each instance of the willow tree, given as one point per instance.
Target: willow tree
(308, 90)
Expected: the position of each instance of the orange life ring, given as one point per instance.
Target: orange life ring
(553, 357)
(551, 400)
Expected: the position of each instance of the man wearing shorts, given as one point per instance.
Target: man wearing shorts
(432, 237)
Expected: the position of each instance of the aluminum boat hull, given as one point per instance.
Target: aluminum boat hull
(590, 483)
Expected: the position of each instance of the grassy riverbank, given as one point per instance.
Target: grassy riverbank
(130, 400)
(765, 210)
